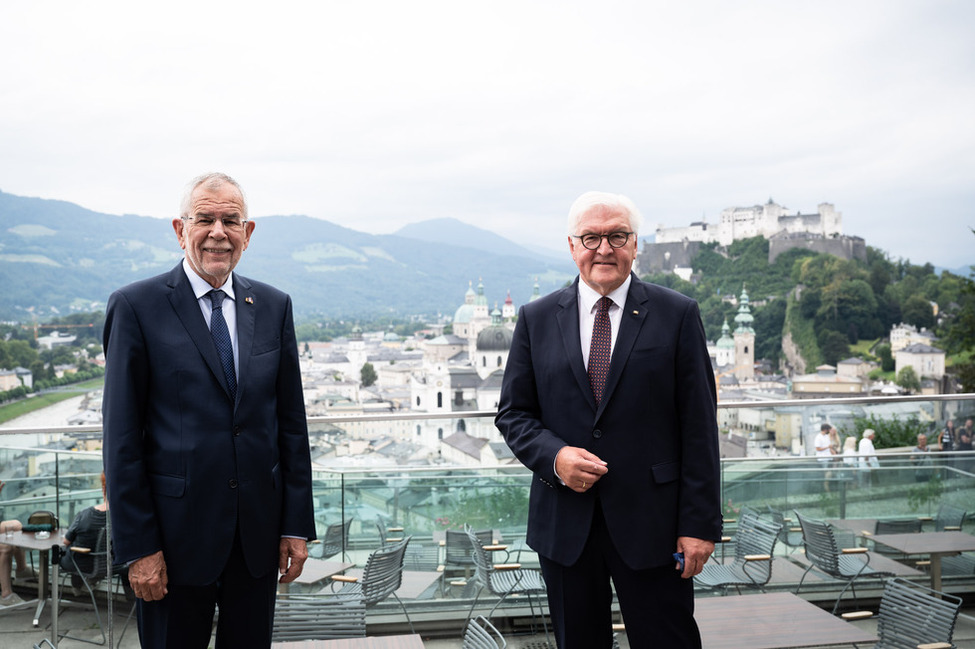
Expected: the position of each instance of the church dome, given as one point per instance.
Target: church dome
(494, 339)
(464, 314)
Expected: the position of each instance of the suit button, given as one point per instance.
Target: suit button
(236, 431)
(232, 483)
(597, 433)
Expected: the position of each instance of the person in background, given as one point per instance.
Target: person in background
(8, 554)
(609, 399)
(921, 459)
(868, 457)
(205, 436)
(946, 437)
(83, 533)
(964, 443)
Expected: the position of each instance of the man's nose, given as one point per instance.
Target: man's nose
(604, 248)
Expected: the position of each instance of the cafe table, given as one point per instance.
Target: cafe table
(934, 544)
(771, 621)
(29, 541)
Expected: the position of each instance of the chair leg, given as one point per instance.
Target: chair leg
(402, 606)
(98, 618)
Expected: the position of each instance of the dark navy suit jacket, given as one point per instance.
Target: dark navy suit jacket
(185, 465)
(655, 426)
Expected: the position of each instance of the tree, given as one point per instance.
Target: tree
(368, 375)
(918, 312)
(907, 379)
(834, 346)
(886, 358)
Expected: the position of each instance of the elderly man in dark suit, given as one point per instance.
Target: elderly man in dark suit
(206, 444)
(611, 404)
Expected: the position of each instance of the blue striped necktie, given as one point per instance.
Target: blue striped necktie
(600, 349)
(221, 339)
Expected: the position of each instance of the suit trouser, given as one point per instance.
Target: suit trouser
(183, 619)
(657, 605)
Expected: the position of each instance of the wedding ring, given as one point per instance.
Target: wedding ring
(584, 485)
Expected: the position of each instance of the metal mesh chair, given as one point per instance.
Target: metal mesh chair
(90, 566)
(912, 615)
(318, 617)
(481, 634)
(382, 576)
(504, 580)
(823, 553)
(336, 540)
(752, 566)
(789, 535)
(949, 518)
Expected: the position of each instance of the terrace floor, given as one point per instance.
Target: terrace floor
(16, 631)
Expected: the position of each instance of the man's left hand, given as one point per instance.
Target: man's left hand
(291, 558)
(696, 552)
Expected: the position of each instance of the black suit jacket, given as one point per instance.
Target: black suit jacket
(655, 426)
(185, 465)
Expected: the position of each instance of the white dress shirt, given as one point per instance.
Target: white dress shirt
(200, 289)
(588, 298)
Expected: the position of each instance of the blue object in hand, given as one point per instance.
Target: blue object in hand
(679, 558)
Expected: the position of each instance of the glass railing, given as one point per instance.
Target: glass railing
(420, 475)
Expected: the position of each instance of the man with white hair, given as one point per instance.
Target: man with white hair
(609, 398)
(868, 456)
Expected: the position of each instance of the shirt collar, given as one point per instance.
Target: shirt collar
(588, 296)
(200, 285)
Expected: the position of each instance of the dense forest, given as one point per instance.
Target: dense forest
(833, 308)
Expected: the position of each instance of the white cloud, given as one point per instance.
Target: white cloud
(374, 114)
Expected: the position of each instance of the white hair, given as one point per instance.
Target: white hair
(590, 200)
(212, 180)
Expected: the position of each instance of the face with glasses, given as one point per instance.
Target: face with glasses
(214, 232)
(603, 247)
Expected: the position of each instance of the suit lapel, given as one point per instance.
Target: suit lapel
(634, 314)
(246, 318)
(568, 319)
(187, 308)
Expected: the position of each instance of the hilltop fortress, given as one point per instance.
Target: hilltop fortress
(821, 231)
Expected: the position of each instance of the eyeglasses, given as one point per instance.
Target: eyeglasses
(593, 241)
(230, 223)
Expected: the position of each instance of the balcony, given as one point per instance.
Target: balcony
(768, 466)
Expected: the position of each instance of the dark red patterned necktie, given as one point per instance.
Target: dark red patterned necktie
(600, 348)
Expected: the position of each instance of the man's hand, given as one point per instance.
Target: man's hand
(148, 577)
(578, 468)
(696, 552)
(291, 558)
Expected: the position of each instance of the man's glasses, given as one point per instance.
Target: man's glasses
(615, 239)
(230, 223)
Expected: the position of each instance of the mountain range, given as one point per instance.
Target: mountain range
(57, 257)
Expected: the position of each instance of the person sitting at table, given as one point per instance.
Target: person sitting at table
(84, 533)
(7, 555)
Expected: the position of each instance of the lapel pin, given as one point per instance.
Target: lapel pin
(249, 300)
(636, 312)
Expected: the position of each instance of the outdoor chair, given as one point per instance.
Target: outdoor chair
(336, 540)
(893, 526)
(90, 566)
(790, 535)
(382, 576)
(912, 616)
(752, 565)
(949, 518)
(823, 553)
(481, 634)
(388, 535)
(457, 553)
(320, 616)
(504, 579)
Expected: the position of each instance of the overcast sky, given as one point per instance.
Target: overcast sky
(374, 114)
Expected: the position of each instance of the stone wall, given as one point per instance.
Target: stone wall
(845, 247)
